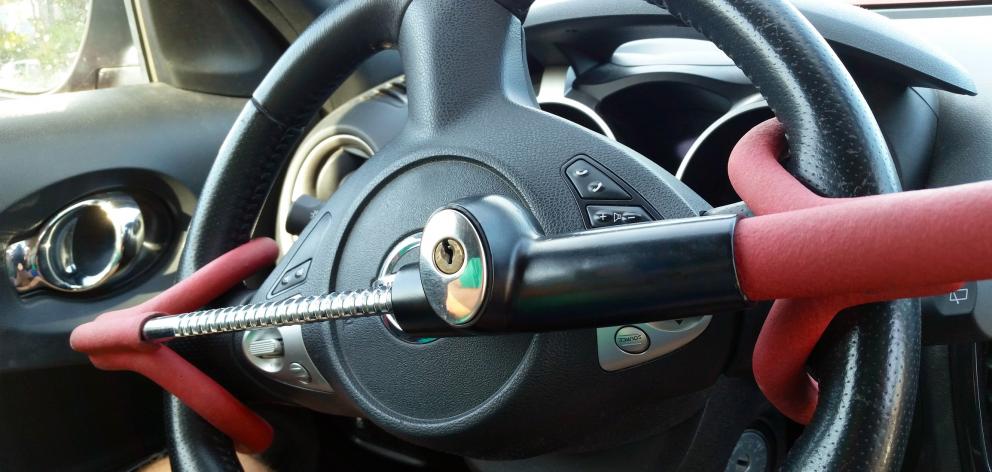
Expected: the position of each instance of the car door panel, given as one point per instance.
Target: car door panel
(153, 140)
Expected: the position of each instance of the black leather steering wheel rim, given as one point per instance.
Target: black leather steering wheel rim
(836, 149)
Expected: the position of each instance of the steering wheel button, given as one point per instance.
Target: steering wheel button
(291, 277)
(594, 184)
(608, 215)
(301, 373)
(266, 348)
(632, 340)
(632, 217)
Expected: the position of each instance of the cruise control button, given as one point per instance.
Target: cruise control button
(291, 278)
(300, 373)
(632, 340)
(593, 184)
(602, 215)
(268, 348)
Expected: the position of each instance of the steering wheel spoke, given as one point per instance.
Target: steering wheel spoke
(459, 56)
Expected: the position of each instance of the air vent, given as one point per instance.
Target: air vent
(319, 166)
(337, 146)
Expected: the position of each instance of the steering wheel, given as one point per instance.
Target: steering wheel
(474, 129)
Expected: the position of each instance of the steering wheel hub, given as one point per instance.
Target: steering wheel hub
(446, 392)
(468, 394)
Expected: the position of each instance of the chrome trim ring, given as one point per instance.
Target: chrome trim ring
(457, 297)
(554, 88)
(754, 102)
(391, 265)
(83, 247)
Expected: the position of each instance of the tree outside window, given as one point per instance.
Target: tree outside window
(39, 43)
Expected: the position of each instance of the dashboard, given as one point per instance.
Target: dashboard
(629, 73)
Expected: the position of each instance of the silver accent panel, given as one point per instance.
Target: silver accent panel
(287, 367)
(294, 311)
(664, 337)
(670, 51)
(86, 246)
(754, 102)
(455, 297)
(556, 83)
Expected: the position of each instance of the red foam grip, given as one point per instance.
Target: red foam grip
(113, 342)
(819, 255)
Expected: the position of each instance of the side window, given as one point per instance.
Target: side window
(51, 46)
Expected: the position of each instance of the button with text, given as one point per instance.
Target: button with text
(602, 215)
(632, 340)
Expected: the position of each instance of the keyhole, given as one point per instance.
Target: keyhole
(449, 255)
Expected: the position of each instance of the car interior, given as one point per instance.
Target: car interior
(496, 235)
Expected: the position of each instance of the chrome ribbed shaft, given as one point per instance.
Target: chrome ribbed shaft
(332, 306)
